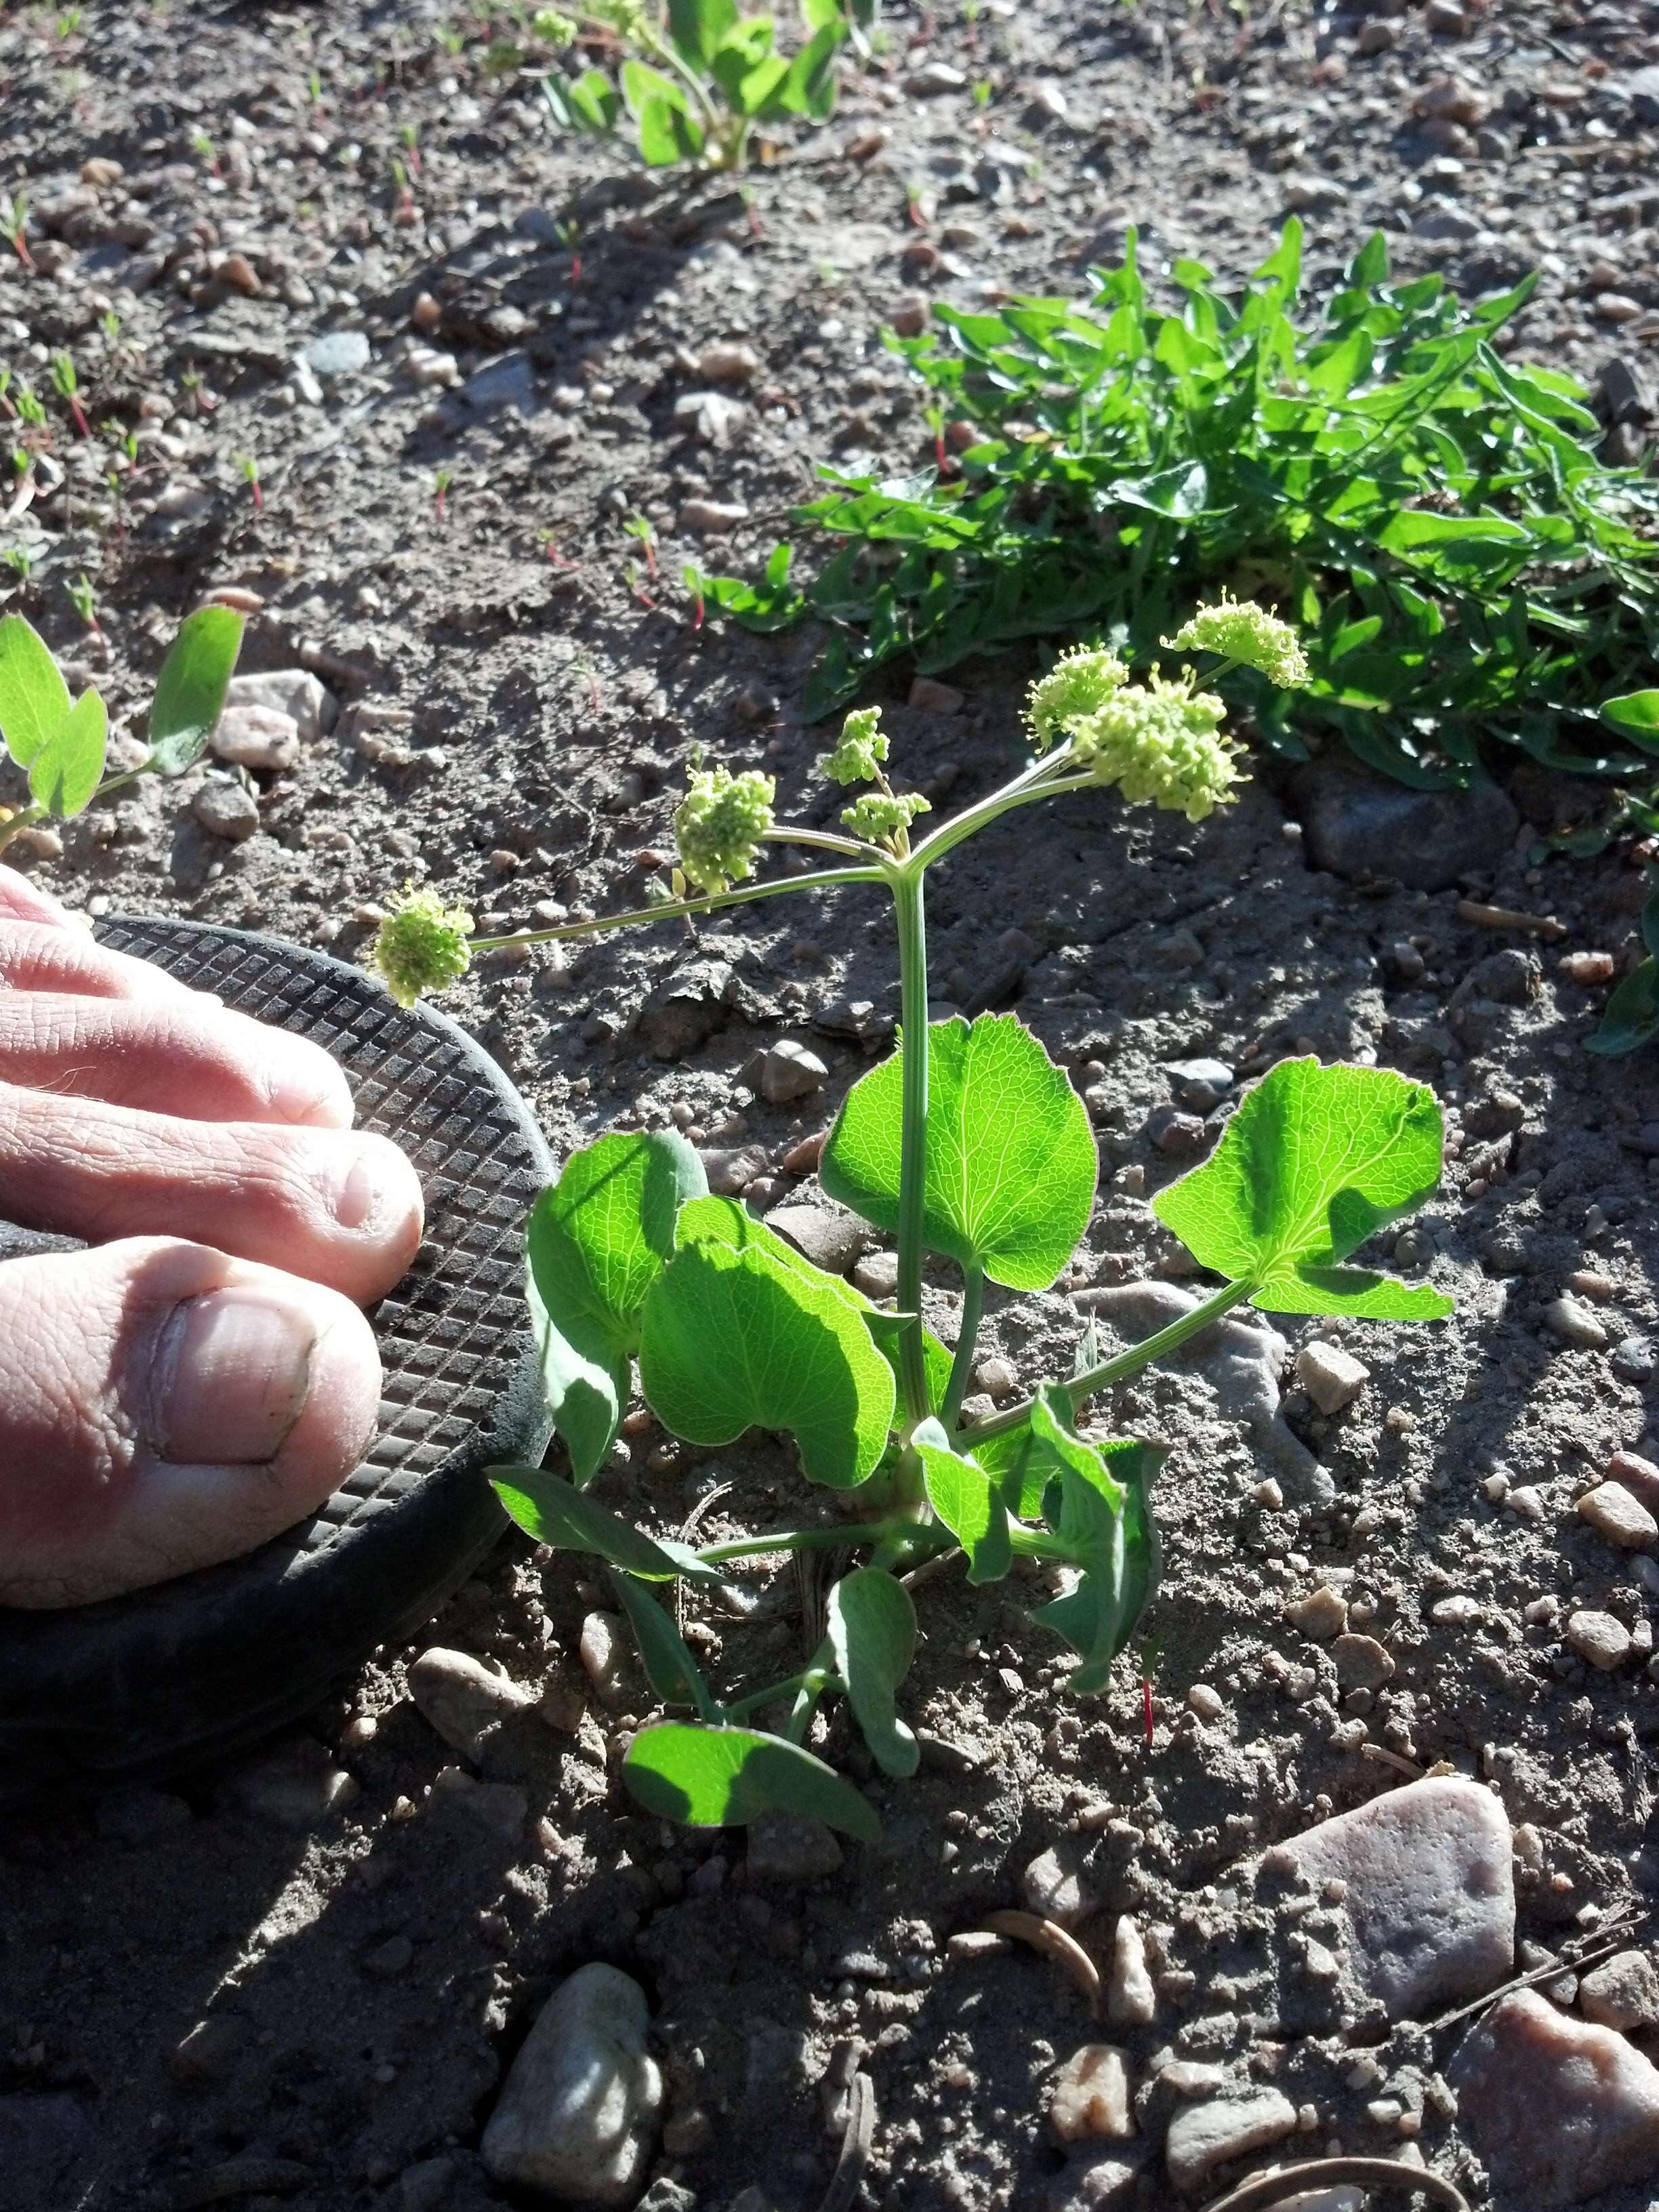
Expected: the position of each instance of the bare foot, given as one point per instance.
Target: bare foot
(202, 1378)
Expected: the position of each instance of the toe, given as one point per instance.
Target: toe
(163, 1407)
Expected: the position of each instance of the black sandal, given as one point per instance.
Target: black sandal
(140, 1686)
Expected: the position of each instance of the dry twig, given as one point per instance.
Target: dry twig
(1052, 1940)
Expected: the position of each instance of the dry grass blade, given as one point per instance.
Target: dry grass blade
(855, 2144)
(1048, 1937)
(1504, 917)
(1604, 1942)
(1263, 2189)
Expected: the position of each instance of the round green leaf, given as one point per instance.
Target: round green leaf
(598, 1240)
(872, 1627)
(33, 696)
(735, 1340)
(723, 1777)
(1313, 1162)
(70, 766)
(1011, 1163)
(1636, 715)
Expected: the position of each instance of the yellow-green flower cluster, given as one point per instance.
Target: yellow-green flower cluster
(1079, 682)
(625, 17)
(553, 28)
(1163, 742)
(883, 816)
(1240, 630)
(720, 823)
(422, 944)
(862, 748)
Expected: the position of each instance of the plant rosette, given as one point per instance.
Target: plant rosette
(968, 1144)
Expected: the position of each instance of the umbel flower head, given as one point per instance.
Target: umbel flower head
(883, 817)
(554, 28)
(1079, 682)
(862, 748)
(1163, 742)
(720, 823)
(422, 944)
(625, 17)
(1240, 630)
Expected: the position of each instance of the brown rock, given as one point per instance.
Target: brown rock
(1622, 1992)
(1361, 1662)
(1558, 2110)
(1614, 1513)
(1091, 2095)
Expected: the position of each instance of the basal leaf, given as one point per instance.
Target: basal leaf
(33, 696)
(723, 1777)
(965, 1498)
(553, 1511)
(1102, 1514)
(671, 1671)
(667, 134)
(1010, 1163)
(68, 767)
(598, 1240)
(872, 1627)
(1313, 1162)
(698, 28)
(190, 691)
(810, 87)
(1631, 1017)
(737, 1339)
(1636, 715)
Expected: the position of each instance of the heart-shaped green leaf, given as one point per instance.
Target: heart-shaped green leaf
(967, 1500)
(553, 1511)
(1631, 1017)
(1313, 1162)
(598, 1240)
(810, 87)
(1100, 1510)
(699, 27)
(872, 1627)
(1637, 716)
(1011, 1163)
(723, 1777)
(33, 696)
(70, 767)
(737, 1339)
(672, 1672)
(190, 691)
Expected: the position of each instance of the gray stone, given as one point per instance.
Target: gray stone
(256, 738)
(1357, 824)
(1622, 1992)
(789, 1070)
(792, 1849)
(878, 1275)
(1200, 1084)
(462, 1698)
(829, 1235)
(1600, 1637)
(297, 1788)
(1558, 2109)
(685, 1010)
(1430, 1886)
(336, 353)
(507, 385)
(578, 2113)
(731, 1170)
(1097, 2184)
(1053, 1890)
(1131, 1998)
(296, 692)
(1091, 2095)
(226, 810)
(1204, 2136)
(1333, 1378)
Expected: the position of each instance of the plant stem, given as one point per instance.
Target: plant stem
(907, 883)
(829, 1537)
(1025, 787)
(25, 818)
(788, 833)
(1157, 1346)
(821, 879)
(973, 1304)
(810, 1678)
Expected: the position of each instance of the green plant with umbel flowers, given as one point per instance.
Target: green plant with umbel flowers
(968, 1144)
(696, 76)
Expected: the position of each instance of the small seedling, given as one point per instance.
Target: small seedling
(21, 562)
(968, 1144)
(83, 600)
(249, 467)
(442, 478)
(410, 136)
(60, 743)
(203, 147)
(697, 77)
(569, 233)
(638, 526)
(14, 218)
(201, 400)
(67, 386)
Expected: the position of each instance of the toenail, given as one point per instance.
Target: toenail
(367, 1184)
(230, 1376)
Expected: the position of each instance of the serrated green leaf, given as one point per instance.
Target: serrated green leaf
(724, 1778)
(966, 1499)
(1010, 1163)
(68, 767)
(1313, 1162)
(598, 1239)
(673, 1673)
(556, 1512)
(190, 691)
(872, 1627)
(34, 700)
(735, 1339)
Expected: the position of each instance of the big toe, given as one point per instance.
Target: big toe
(164, 1407)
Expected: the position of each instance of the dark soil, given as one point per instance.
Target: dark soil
(514, 729)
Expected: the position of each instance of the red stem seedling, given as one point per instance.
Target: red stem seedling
(67, 386)
(441, 483)
(250, 468)
(13, 213)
